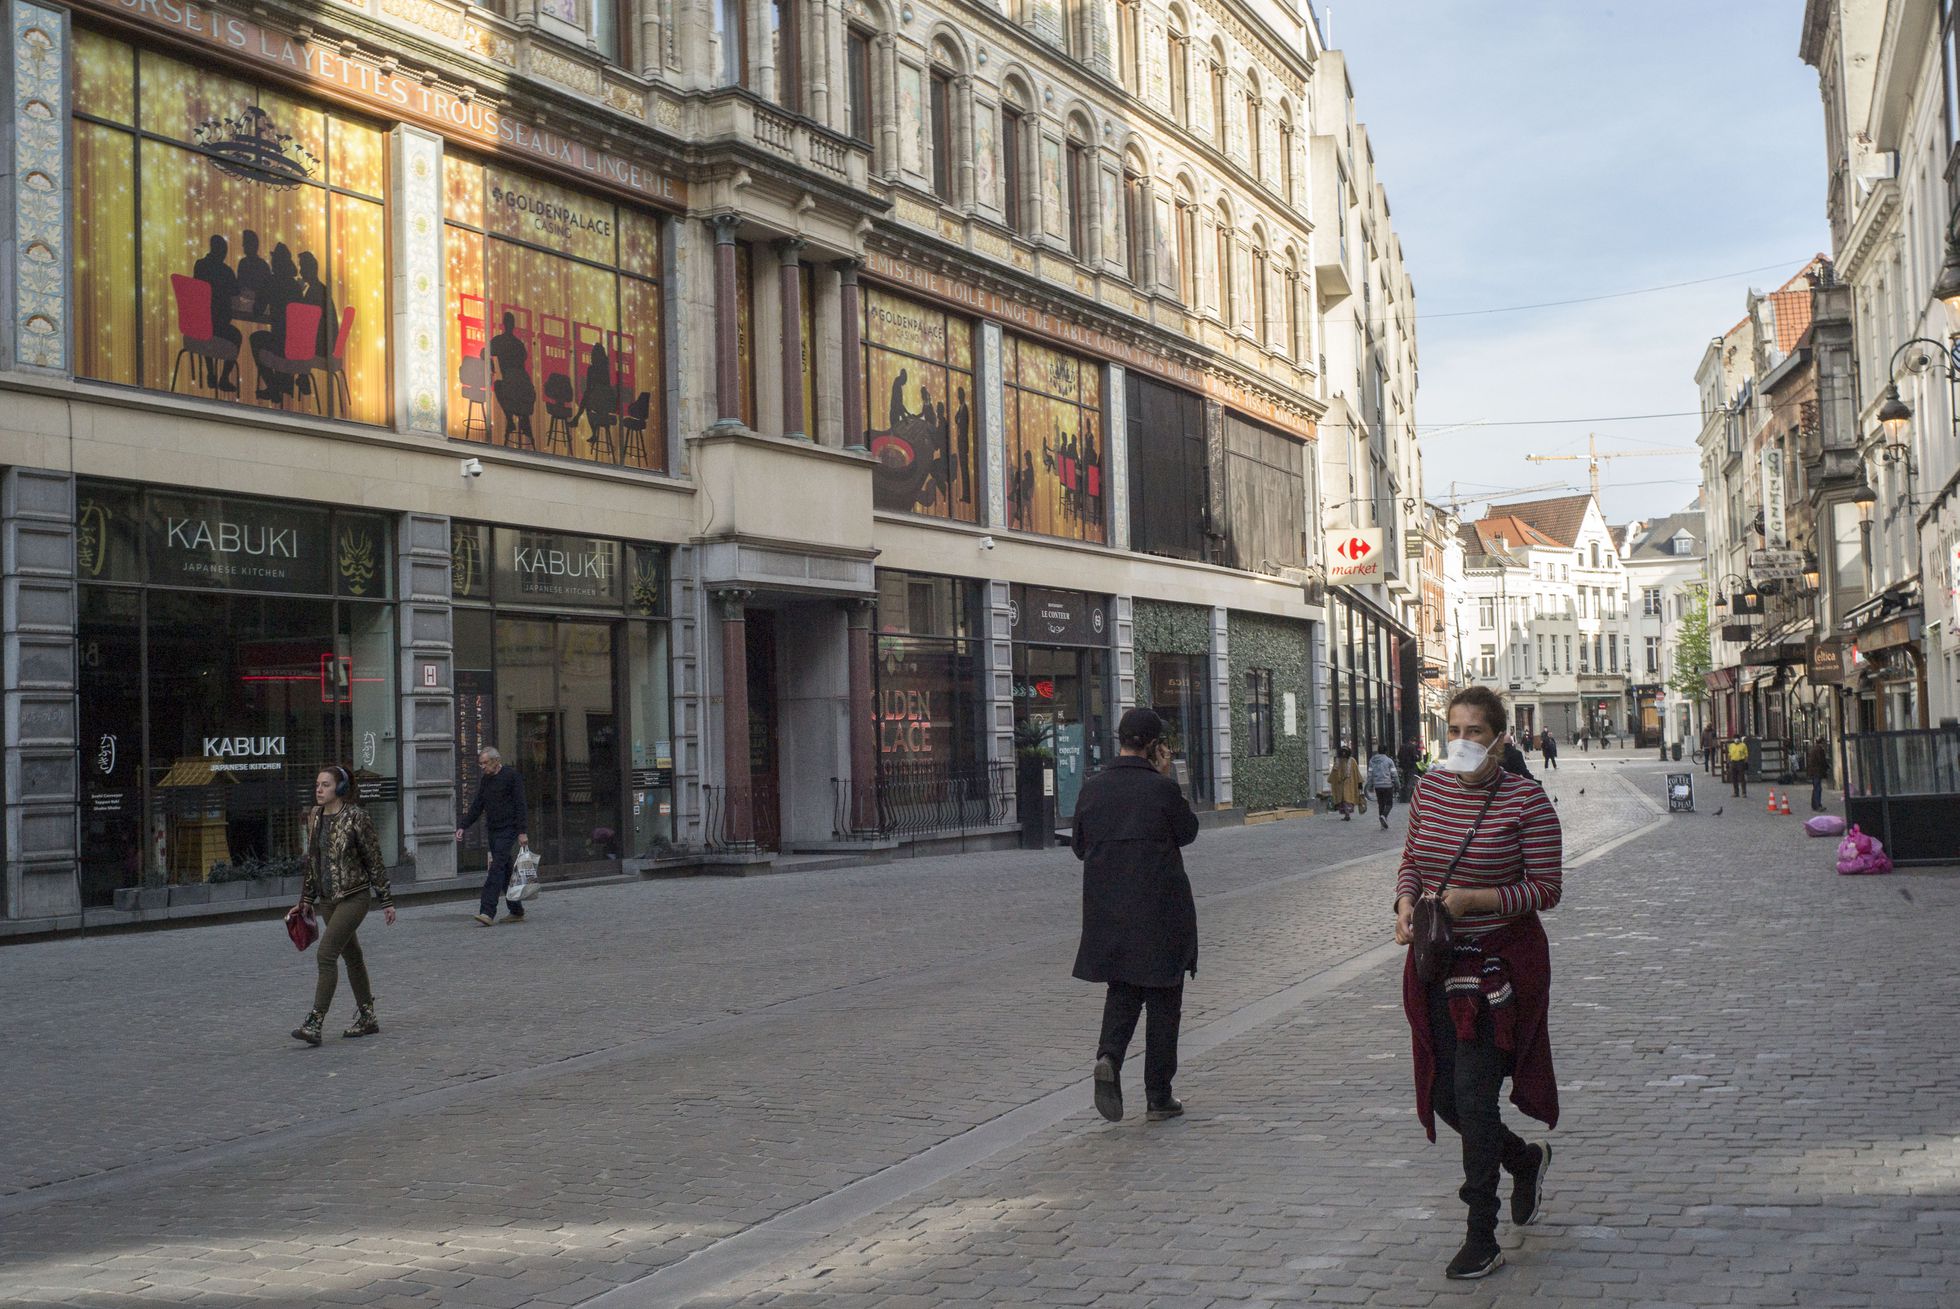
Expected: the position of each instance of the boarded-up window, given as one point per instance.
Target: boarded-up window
(1265, 498)
(1169, 479)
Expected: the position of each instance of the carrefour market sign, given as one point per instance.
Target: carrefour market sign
(1354, 557)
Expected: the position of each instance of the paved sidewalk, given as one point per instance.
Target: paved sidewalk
(1755, 1057)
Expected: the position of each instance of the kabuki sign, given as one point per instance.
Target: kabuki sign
(1354, 557)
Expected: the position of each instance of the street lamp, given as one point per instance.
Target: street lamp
(1895, 415)
(1946, 287)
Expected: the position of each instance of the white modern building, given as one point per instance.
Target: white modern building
(1664, 560)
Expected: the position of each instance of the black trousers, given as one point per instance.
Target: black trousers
(1385, 800)
(1120, 1010)
(496, 881)
(1469, 1077)
(1738, 777)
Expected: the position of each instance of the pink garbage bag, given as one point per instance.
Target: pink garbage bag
(1824, 825)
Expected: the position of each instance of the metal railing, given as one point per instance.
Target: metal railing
(765, 817)
(917, 800)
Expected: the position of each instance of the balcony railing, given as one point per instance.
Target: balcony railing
(917, 800)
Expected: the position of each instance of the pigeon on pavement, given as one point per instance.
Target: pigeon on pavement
(1718, 811)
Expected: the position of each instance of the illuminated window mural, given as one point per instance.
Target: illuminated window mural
(920, 414)
(1056, 479)
(554, 318)
(231, 239)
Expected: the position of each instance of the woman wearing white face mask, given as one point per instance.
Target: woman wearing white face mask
(1486, 1018)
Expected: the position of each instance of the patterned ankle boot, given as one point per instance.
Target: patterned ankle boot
(365, 1023)
(309, 1031)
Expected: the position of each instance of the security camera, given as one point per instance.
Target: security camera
(472, 468)
(986, 543)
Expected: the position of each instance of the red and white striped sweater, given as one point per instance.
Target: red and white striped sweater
(1519, 849)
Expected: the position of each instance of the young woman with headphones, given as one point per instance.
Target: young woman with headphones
(344, 874)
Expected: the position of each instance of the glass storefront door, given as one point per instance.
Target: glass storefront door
(1177, 693)
(1063, 689)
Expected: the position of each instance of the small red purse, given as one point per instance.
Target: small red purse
(303, 926)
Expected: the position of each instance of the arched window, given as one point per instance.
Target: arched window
(1180, 69)
(785, 19)
(731, 43)
(1136, 222)
(1187, 246)
(1254, 129)
(1129, 62)
(1080, 185)
(1015, 156)
(860, 110)
(1286, 149)
(939, 121)
(1228, 308)
(1261, 275)
(1219, 125)
(1293, 293)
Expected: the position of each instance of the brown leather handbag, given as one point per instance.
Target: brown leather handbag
(1430, 930)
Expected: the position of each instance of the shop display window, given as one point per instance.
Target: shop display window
(1057, 481)
(228, 650)
(558, 667)
(231, 240)
(930, 703)
(921, 420)
(554, 318)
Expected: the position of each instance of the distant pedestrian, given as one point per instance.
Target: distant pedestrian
(1344, 781)
(1409, 760)
(1139, 922)
(1381, 780)
(1818, 765)
(1511, 759)
(1739, 767)
(1708, 747)
(1548, 747)
(500, 804)
(1487, 1017)
(1585, 742)
(344, 874)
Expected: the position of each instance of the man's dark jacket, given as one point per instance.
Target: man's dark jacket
(1512, 761)
(500, 803)
(1139, 923)
(1818, 762)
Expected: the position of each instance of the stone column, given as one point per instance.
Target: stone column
(789, 279)
(1221, 706)
(999, 652)
(36, 258)
(1116, 454)
(851, 334)
(37, 544)
(728, 343)
(415, 240)
(992, 399)
(428, 696)
(1126, 653)
(738, 820)
(864, 745)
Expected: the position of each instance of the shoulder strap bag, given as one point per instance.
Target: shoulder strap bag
(1430, 932)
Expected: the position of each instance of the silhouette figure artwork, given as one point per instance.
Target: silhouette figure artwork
(214, 272)
(517, 394)
(253, 274)
(282, 288)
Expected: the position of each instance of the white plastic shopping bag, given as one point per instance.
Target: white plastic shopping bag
(523, 876)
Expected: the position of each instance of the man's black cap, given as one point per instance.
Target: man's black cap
(1139, 728)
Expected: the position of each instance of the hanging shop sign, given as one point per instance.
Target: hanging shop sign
(368, 80)
(1826, 663)
(1354, 557)
(1777, 565)
(1044, 615)
(1953, 592)
(1776, 533)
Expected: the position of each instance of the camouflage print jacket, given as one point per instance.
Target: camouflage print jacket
(346, 843)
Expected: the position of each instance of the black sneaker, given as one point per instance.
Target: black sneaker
(1528, 1187)
(1109, 1091)
(1475, 1260)
(1171, 1108)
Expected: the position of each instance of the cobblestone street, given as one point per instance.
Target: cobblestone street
(870, 1088)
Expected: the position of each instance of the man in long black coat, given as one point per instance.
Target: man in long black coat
(1139, 923)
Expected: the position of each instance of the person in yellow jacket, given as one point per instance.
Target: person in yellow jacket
(1739, 767)
(1344, 780)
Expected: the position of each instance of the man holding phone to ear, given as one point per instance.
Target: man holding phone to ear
(1139, 922)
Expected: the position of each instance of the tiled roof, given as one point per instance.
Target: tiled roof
(1514, 530)
(1558, 519)
(1663, 530)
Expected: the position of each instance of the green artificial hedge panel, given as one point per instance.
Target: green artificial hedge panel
(1280, 779)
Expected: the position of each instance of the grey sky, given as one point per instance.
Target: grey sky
(1539, 150)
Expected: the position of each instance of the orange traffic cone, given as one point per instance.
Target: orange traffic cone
(1770, 807)
(1784, 806)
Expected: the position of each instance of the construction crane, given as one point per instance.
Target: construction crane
(1594, 454)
